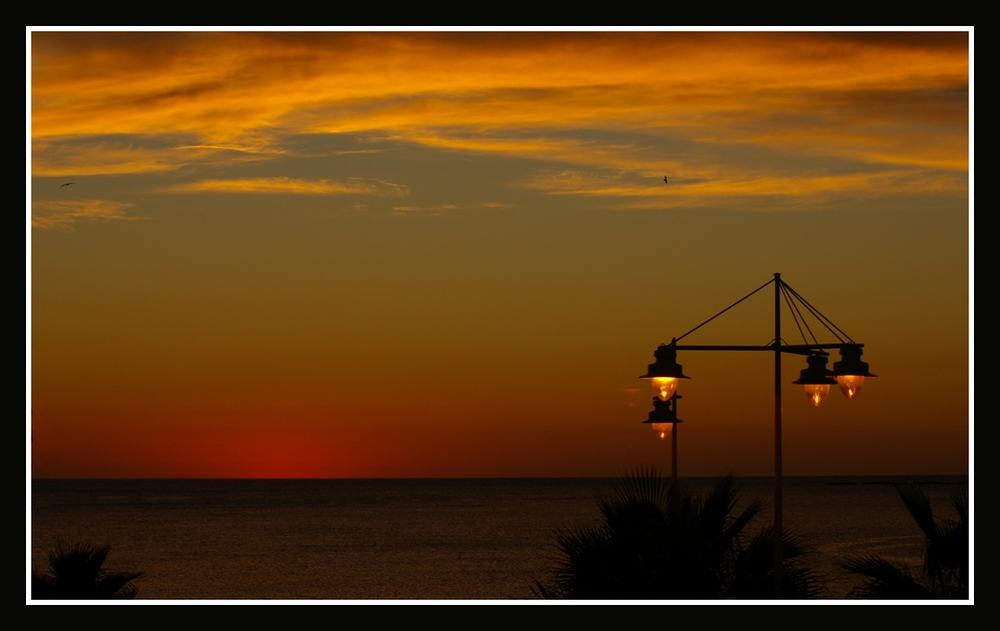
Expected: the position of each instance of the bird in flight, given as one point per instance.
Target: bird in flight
(664, 179)
(68, 183)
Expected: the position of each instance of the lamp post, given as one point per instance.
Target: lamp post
(849, 373)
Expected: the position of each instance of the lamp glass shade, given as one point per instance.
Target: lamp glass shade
(850, 385)
(662, 430)
(816, 392)
(664, 387)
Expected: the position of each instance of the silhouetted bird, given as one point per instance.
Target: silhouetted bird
(664, 179)
(68, 183)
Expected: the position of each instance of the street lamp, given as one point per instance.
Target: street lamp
(664, 374)
(663, 419)
(849, 373)
(816, 379)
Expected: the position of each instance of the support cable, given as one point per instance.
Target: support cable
(797, 315)
(827, 322)
(724, 310)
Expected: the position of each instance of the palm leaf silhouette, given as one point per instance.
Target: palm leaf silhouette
(77, 573)
(946, 555)
(659, 541)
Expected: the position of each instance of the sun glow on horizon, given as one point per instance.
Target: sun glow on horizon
(238, 239)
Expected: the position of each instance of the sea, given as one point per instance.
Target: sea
(420, 539)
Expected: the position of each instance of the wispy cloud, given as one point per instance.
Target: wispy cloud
(120, 156)
(714, 188)
(441, 208)
(897, 100)
(297, 186)
(61, 215)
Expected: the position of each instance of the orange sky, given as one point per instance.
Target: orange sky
(452, 254)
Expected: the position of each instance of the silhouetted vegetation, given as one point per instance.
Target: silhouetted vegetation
(658, 541)
(77, 573)
(946, 556)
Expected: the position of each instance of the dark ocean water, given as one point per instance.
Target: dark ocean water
(416, 539)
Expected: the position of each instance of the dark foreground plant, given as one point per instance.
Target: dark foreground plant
(946, 556)
(77, 573)
(658, 541)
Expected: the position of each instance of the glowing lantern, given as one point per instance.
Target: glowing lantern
(662, 418)
(850, 371)
(816, 392)
(662, 430)
(665, 372)
(850, 385)
(664, 387)
(816, 379)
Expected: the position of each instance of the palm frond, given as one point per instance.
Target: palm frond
(946, 555)
(885, 581)
(643, 485)
(754, 569)
(77, 573)
(656, 541)
(919, 506)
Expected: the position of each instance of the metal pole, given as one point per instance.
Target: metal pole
(673, 447)
(777, 438)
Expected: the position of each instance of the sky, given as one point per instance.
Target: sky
(453, 254)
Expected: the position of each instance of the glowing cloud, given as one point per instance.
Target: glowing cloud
(62, 214)
(894, 99)
(298, 186)
(711, 187)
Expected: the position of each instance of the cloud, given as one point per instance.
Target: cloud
(297, 186)
(62, 215)
(120, 156)
(758, 191)
(219, 85)
(440, 208)
(891, 99)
